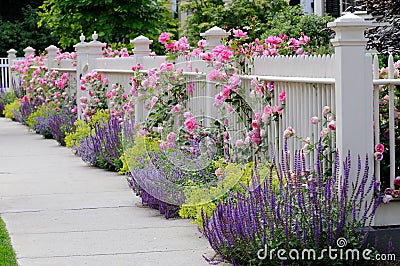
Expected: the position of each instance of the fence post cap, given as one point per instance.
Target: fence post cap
(82, 38)
(82, 44)
(349, 30)
(12, 54)
(29, 49)
(141, 45)
(12, 51)
(95, 48)
(349, 20)
(141, 40)
(95, 42)
(214, 31)
(52, 48)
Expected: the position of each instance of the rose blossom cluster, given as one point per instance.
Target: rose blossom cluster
(179, 46)
(96, 86)
(66, 56)
(119, 102)
(50, 87)
(110, 52)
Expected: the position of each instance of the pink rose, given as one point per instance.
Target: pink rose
(164, 37)
(190, 124)
(268, 110)
(171, 137)
(169, 46)
(282, 96)
(226, 92)
(201, 44)
(234, 81)
(397, 181)
(324, 132)
(239, 143)
(278, 110)
(379, 148)
(187, 115)
(240, 34)
(332, 125)
(254, 124)
(176, 108)
(218, 100)
(270, 85)
(163, 145)
(190, 87)
(326, 110)
(214, 74)
(314, 120)
(207, 57)
(289, 132)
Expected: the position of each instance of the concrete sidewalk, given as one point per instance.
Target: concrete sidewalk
(59, 211)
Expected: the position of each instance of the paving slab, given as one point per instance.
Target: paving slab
(60, 211)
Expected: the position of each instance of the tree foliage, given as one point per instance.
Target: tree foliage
(204, 14)
(262, 18)
(21, 31)
(292, 21)
(12, 10)
(116, 21)
(386, 36)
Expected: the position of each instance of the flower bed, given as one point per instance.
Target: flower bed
(242, 196)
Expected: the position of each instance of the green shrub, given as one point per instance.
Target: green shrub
(292, 21)
(82, 131)
(83, 128)
(9, 108)
(6, 97)
(205, 199)
(259, 18)
(43, 111)
(239, 13)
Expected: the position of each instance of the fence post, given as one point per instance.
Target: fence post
(141, 46)
(353, 91)
(94, 51)
(213, 38)
(51, 56)
(28, 51)
(81, 68)
(11, 58)
(141, 49)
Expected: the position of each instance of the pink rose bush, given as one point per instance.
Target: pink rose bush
(110, 52)
(94, 85)
(166, 101)
(44, 86)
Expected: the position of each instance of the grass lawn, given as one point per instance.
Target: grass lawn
(7, 255)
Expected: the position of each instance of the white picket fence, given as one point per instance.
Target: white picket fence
(4, 74)
(347, 81)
